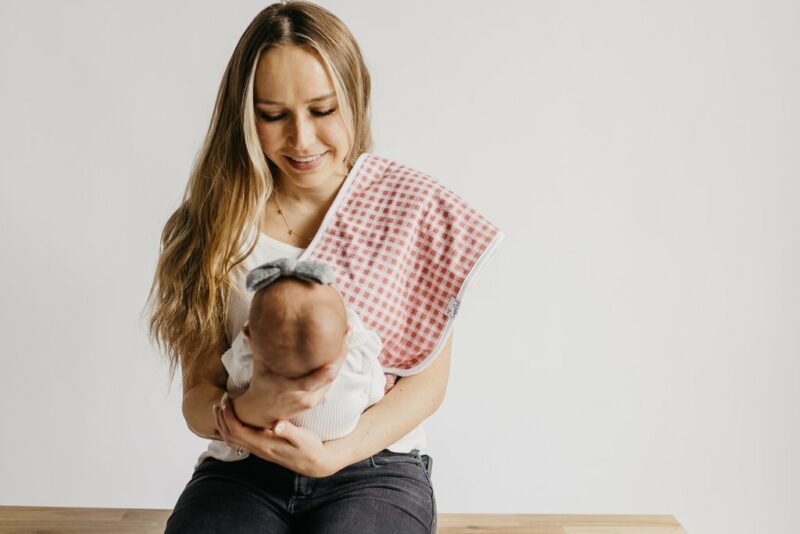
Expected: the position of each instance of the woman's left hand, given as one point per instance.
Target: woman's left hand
(293, 447)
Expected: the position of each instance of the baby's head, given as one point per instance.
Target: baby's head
(297, 326)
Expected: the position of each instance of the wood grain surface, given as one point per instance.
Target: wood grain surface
(49, 520)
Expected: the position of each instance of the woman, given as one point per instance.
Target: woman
(290, 121)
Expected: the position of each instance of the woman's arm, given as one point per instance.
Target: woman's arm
(198, 410)
(202, 390)
(409, 402)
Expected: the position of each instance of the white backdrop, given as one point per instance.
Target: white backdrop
(631, 349)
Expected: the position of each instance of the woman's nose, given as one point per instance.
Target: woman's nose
(301, 134)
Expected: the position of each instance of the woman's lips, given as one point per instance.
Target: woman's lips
(306, 165)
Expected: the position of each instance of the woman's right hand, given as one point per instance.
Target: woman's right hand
(271, 397)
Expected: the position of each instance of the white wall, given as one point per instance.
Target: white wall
(631, 349)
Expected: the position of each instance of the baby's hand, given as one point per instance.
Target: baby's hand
(390, 380)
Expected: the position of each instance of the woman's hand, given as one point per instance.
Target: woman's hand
(295, 448)
(271, 397)
(390, 382)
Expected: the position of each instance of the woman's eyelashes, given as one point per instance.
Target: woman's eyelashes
(270, 118)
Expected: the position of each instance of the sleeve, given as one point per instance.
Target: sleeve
(238, 362)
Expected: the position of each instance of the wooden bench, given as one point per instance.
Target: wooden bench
(49, 520)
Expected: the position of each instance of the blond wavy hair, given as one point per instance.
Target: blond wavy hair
(213, 230)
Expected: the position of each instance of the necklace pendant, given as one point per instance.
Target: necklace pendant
(290, 232)
(280, 211)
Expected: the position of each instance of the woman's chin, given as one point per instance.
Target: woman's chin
(320, 178)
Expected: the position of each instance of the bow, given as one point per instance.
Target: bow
(310, 270)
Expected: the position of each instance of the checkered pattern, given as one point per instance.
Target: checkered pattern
(402, 246)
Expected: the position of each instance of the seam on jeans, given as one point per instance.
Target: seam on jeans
(433, 500)
(433, 493)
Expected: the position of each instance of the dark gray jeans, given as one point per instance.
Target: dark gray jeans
(388, 492)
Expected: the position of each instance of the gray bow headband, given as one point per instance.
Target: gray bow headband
(310, 270)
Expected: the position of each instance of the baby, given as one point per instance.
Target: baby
(299, 322)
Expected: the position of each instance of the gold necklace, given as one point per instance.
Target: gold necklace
(280, 212)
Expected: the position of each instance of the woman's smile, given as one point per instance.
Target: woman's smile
(306, 164)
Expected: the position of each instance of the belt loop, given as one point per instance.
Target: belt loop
(427, 461)
(372, 461)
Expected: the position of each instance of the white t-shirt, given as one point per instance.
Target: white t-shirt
(339, 405)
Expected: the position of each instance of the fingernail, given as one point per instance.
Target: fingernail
(279, 428)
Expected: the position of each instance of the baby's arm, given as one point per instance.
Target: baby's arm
(246, 409)
(250, 408)
(249, 412)
(243, 378)
(258, 406)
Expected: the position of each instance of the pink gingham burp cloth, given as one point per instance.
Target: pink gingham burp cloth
(404, 249)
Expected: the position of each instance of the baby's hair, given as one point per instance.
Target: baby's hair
(297, 325)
